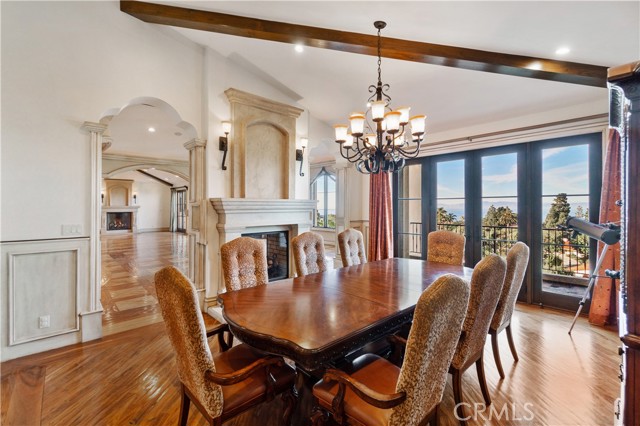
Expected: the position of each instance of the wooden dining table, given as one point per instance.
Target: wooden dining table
(318, 319)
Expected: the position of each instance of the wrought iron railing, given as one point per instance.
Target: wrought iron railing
(560, 255)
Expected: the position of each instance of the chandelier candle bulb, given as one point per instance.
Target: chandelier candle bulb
(341, 133)
(404, 114)
(357, 124)
(418, 124)
(349, 142)
(392, 119)
(377, 110)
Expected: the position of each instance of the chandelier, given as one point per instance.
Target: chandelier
(383, 146)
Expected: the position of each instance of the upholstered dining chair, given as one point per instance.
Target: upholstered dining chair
(221, 385)
(517, 260)
(380, 393)
(486, 284)
(351, 245)
(244, 263)
(445, 247)
(308, 253)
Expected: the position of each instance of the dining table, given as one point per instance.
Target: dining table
(318, 319)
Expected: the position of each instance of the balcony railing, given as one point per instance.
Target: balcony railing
(560, 256)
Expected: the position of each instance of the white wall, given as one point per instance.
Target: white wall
(64, 63)
(154, 200)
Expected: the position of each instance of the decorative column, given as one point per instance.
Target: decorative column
(197, 215)
(342, 202)
(91, 320)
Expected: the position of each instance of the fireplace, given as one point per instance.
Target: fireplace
(277, 252)
(118, 221)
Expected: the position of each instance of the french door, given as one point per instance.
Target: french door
(496, 197)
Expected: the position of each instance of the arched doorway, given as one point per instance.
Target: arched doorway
(146, 145)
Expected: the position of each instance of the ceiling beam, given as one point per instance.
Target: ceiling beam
(159, 180)
(407, 50)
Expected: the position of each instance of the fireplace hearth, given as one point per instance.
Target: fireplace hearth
(277, 253)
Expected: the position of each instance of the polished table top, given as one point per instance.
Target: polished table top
(319, 318)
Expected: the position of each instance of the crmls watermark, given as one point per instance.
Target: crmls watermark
(479, 411)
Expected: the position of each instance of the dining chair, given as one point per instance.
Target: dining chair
(244, 263)
(308, 253)
(378, 392)
(517, 260)
(351, 245)
(221, 385)
(486, 284)
(445, 247)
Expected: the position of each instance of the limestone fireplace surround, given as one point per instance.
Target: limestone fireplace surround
(237, 216)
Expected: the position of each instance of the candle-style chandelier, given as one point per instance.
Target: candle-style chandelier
(383, 146)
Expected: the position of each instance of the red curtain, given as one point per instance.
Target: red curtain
(603, 309)
(380, 217)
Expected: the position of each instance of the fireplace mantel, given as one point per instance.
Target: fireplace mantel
(237, 214)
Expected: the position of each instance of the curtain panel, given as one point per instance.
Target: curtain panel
(380, 217)
(603, 309)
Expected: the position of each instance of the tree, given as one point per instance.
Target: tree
(558, 212)
(443, 216)
(491, 218)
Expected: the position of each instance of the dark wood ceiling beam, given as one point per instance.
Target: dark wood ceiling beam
(159, 180)
(428, 53)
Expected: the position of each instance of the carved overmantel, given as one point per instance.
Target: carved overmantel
(262, 146)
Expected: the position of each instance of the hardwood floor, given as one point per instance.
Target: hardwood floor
(130, 378)
(128, 265)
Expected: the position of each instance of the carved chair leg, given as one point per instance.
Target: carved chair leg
(456, 376)
(512, 346)
(483, 381)
(319, 417)
(496, 353)
(289, 400)
(185, 402)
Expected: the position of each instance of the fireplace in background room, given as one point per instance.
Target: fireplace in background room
(118, 221)
(277, 252)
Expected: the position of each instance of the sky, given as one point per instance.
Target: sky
(564, 169)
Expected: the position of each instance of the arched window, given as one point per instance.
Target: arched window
(323, 189)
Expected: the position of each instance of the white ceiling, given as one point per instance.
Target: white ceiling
(332, 84)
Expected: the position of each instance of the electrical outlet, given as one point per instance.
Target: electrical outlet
(71, 229)
(44, 321)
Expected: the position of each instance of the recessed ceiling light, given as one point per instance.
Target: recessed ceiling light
(151, 129)
(166, 178)
(535, 66)
(562, 50)
(299, 48)
(178, 133)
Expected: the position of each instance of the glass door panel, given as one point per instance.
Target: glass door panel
(450, 196)
(565, 192)
(499, 203)
(409, 233)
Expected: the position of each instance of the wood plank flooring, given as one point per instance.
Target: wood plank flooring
(130, 378)
(129, 263)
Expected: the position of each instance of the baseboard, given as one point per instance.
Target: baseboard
(140, 231)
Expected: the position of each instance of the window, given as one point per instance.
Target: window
(323, 190)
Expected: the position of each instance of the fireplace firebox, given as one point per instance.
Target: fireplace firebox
(277, 252)
(118, 221)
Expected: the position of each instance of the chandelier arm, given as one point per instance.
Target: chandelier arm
(410, 154)
(348, 157)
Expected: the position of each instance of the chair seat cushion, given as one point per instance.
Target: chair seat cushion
(254, 387)
(374, 372)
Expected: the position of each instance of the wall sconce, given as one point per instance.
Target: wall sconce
(135, 198)
(223, 144)
(300, 153)
(102, 198)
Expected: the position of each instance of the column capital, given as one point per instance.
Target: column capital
(195, 142)
(93, 127)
